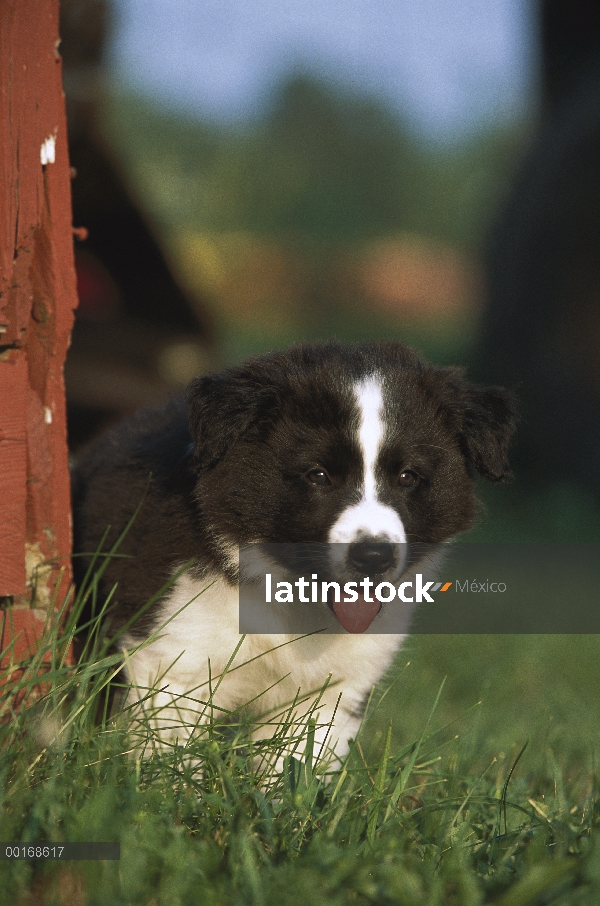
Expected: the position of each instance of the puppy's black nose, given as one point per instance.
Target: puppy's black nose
(371, 556)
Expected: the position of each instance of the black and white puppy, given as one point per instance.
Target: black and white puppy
(365, 445)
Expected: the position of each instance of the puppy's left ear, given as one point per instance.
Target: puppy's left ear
(488, 422)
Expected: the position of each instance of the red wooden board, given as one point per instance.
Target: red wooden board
(37, 298)
(13, 475)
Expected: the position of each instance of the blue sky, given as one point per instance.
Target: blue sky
(447, 66)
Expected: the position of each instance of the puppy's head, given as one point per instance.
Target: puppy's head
(366, 447)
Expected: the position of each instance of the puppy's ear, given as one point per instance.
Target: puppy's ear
(488, 417)
(484, 419)
(221, 408)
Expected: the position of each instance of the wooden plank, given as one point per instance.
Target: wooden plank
(13, 475)
(37, 298)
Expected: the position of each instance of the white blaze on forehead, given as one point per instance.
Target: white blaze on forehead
(370, 434)
(370, 517)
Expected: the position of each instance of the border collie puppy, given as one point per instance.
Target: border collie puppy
(367, 446)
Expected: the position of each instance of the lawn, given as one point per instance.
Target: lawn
(474, 780)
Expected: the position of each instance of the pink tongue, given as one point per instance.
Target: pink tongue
(358, 616)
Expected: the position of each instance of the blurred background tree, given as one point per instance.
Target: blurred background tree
(325, 217)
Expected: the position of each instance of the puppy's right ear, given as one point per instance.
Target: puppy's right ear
(221, 409)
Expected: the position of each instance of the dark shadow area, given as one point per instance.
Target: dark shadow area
(541, 325)
(138, 335)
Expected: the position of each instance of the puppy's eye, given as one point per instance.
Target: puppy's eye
(318, 477)
(408, 479)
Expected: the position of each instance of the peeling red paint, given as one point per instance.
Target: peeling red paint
(37, 298)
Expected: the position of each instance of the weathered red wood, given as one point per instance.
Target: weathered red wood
(13, 476)
(37, 298)
(21, 633)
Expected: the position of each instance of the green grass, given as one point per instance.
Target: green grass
(442, 800)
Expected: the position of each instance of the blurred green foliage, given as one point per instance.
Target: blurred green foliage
(321, 174)
(322, 164)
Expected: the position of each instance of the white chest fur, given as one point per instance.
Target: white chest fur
(185, 659)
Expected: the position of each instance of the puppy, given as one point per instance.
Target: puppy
(367, 449)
